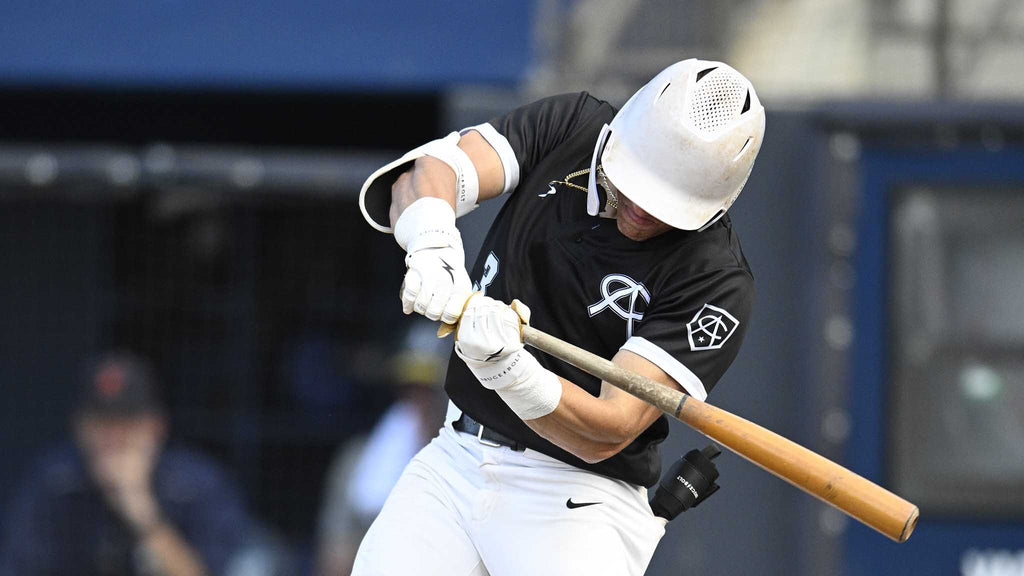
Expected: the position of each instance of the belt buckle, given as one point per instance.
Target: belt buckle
(480, 438)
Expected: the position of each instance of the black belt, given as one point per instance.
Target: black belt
(485, 435)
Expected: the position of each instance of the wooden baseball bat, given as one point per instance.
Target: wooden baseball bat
(808, 471)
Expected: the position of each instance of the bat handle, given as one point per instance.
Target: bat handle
(524, 316)
(445, 329)
(669, 400)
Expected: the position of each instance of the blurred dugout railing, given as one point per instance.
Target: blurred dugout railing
(239, 273)
(105, 171)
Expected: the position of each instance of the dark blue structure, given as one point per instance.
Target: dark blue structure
(265, 44)
(939, 544)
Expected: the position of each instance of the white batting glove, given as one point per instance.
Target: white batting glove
(489, 331)
(436, 283)
(489, 341)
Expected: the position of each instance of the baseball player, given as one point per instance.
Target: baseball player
(616, 236)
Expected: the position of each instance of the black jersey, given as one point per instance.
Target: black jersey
(682, 299)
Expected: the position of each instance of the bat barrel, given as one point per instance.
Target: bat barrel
(860, 498)
(831, 483)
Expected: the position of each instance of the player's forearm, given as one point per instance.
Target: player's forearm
(429, 178)
(592, 429)
(489, 341)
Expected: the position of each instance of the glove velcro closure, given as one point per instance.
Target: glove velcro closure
(427, 223)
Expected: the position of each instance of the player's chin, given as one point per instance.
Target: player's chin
(635, 224)
(639, 230)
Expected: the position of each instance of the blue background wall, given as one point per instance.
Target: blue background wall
(323, 44)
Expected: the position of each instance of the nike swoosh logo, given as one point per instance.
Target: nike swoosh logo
(573, 505)
(551, 190)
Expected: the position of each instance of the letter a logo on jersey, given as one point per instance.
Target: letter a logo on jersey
(625, 288)
(710, 328)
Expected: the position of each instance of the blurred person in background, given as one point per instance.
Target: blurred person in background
(119, 500)
(366, 468)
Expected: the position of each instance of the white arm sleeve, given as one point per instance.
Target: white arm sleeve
(375, 196)
(509, 163)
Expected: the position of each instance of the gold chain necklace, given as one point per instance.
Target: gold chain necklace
(613, 201)
(567, 179)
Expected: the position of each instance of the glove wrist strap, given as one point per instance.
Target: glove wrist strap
(528, 388)
(427, 223)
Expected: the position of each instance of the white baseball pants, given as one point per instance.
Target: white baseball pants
(462, 508)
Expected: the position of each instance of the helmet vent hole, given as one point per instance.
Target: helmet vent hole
(663, 90)
(746, 103)
(704, 73)
(742, 149)
(718, 101)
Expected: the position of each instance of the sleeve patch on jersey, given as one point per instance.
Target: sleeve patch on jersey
(710, 328)
(674, 368)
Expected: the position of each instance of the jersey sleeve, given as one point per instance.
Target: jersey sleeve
(526, 135)
(695, 330)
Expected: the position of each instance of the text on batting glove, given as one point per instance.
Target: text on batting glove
(489, 341)
(436, 283)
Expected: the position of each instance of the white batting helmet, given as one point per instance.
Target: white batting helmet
(683, 146)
